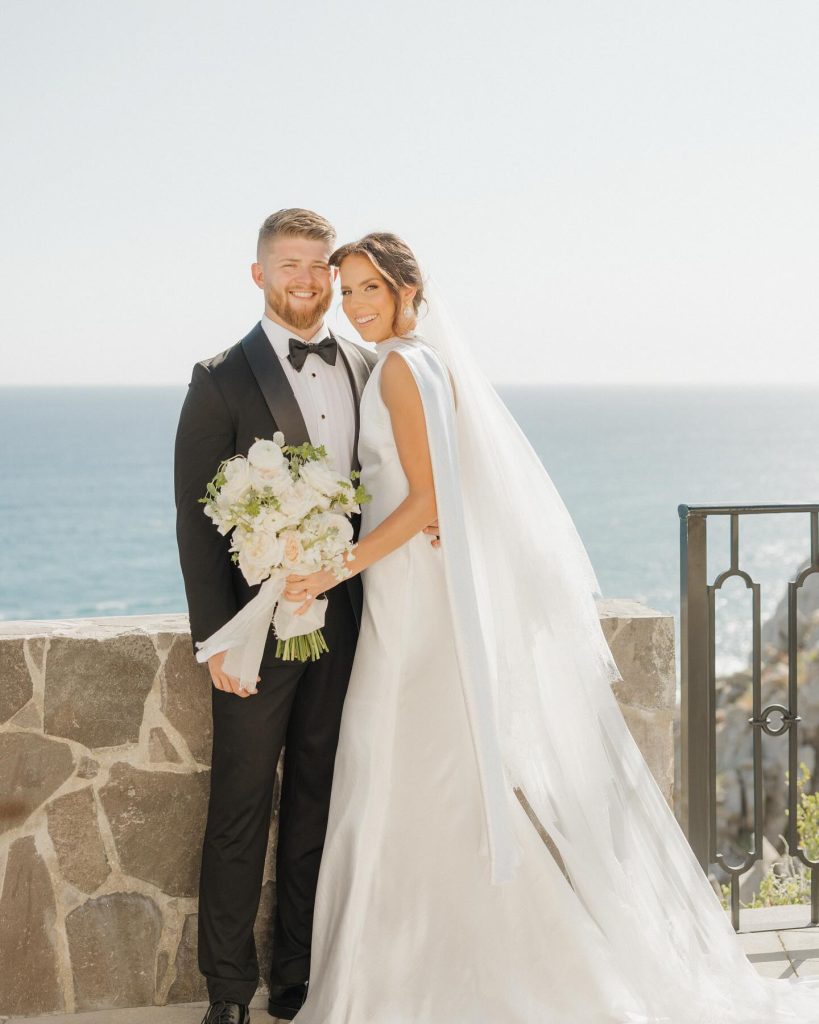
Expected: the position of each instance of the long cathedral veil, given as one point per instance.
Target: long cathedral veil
(545, 720)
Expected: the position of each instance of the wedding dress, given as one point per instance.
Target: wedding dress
(482, 676)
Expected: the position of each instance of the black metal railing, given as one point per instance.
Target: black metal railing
(698, 692)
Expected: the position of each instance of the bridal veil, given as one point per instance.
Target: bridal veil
(537, 675)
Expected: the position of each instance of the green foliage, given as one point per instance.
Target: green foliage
(299, 454)
(788, 881)
(361, 497)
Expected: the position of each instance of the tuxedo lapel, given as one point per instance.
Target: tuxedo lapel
(358, 371)
(275, 386)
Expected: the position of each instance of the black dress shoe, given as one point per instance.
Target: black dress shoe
(222, 1012)
(285, 1001)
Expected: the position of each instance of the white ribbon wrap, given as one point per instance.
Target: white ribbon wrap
(245, 635)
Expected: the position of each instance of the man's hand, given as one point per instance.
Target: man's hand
(434, 531)
(222, 681)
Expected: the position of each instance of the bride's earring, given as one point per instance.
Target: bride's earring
(407, 311)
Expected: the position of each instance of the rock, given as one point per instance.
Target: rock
(642, 643)
(162, 962)
(113, 944)
(160, 748)
(653, 731)
(263, 929)
(31, 769)
(28, 717)
(16, 687)
(157, 821)
(186, 698)
(88, 768)
(74, 830)
(189, 985)
(29, 980)
(774, 633)
(95, 689)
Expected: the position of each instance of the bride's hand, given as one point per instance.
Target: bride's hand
(308, 588)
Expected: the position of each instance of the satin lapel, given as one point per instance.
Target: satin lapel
(358, 371)
(275, 386)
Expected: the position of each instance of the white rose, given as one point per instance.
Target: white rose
(259, 552)
(322, 523)
(292, 550)
(270, 521)
(322, 478)
(237, 482)
(297, 502)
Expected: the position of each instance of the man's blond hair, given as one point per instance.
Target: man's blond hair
(295, 223)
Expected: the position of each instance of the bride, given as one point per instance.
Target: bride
(480, 700)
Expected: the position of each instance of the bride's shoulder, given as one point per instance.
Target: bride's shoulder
(414, 358)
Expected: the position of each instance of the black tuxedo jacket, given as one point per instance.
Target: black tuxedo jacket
(233, 398)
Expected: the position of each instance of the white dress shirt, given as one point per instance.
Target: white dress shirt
(324, 394)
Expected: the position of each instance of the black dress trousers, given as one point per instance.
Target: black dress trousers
(298, 706)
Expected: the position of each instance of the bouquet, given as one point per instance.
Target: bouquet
(289, 512)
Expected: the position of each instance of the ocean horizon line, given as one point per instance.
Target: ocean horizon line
(801, 386)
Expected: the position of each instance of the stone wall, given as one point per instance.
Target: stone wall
(104, 756)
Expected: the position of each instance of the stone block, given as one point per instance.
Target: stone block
(29, 979)
(157, 820)
(28, 717)
(32, 767)
(653, 731)
(642, 643)
(16, 687)
(189, 985)
(95, 689)
(74, 831)
(186, 699)
(113, 944)
(88, 768)
(160, 748)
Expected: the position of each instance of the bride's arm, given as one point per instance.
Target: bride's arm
(403, 401)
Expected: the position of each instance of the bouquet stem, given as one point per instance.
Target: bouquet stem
(308, 647)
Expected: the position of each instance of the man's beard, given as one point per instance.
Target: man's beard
(301, 319)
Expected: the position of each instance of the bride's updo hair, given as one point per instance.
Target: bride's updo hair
(395, 261)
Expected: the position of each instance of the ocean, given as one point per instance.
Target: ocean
(88, 512)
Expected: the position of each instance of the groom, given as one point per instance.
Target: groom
(292, 374)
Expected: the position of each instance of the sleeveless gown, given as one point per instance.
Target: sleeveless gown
(407, 927)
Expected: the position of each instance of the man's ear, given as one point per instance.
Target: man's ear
(257, 274)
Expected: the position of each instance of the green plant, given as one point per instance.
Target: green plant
(788, 881)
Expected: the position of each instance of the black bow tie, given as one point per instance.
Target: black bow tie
(300, 350)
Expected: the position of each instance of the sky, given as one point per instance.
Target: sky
(606, 191)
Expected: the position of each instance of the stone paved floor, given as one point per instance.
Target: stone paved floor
(779, 942)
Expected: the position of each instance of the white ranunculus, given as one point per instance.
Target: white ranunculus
(259, 552)
(322, 478)
(266, 458)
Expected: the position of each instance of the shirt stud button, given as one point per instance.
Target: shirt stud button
(323, 416)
